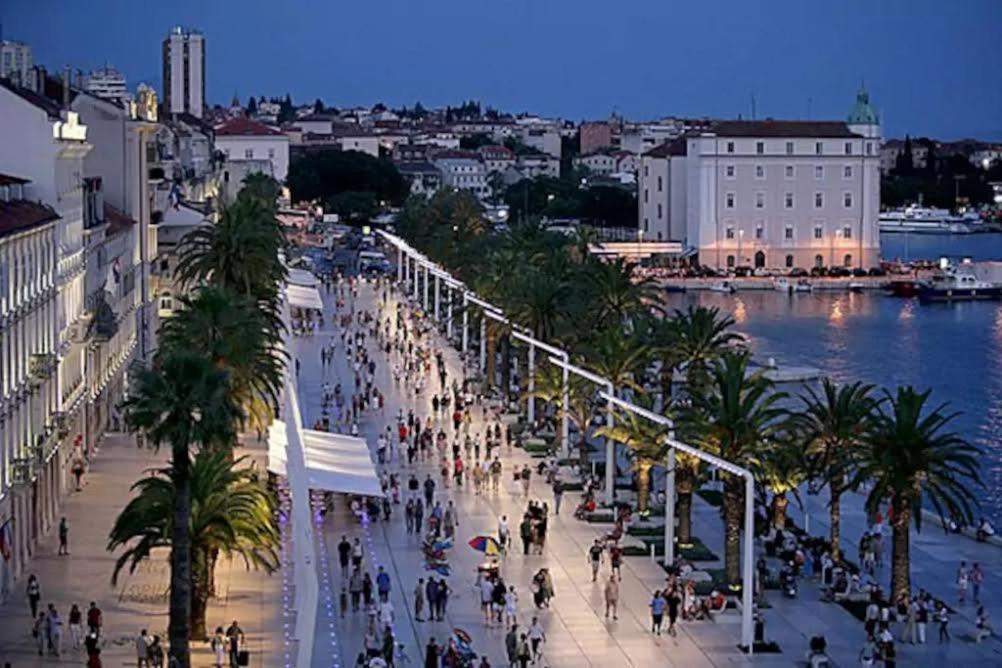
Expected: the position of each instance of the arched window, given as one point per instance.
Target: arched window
(759, 259)
(819, 261)
(730, 260)
(847, 260)
(789, 262)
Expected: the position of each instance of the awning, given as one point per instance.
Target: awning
(304, 297)
(302, 277)
(334, 462)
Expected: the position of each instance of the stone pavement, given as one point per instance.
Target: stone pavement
(139, 600)
(577, 633)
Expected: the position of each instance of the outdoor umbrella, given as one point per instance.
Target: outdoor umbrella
(486, 544)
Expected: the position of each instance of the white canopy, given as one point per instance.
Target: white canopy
(302, 277)
(334, 462)
(304, 297)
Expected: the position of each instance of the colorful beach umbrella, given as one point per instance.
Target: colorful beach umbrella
(485, 544)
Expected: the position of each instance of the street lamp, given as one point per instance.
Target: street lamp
(741, 235)
(831, 254)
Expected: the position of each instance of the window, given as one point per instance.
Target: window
(646, 224)
(248, 153)
(847, 172)
(788, 232)
(819, 148)
(789, 148)
(659, 212)
(788, 200)
(819, 261)
(760, 147)
(730, 200)
(730, 261)
(645, 195)
(848, 148)
(789, 261)
(759, 200)
(759, 171)
(869, 148)
(729, 233)
(730, 147)
(819, 171)
(660, 184)
(847, 200)
(790, 171)
(819, 232)
(819, 200)
(759, 231)
(847, 260)
(847, 232)
(166, 304)
(729, 171)
(646, 171)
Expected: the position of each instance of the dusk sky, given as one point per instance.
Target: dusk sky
(932, 67)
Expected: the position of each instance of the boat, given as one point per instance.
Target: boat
(788, 286)
(958, 285)
(856, 286)
(920, 220)
(905, 287)
(723, 286)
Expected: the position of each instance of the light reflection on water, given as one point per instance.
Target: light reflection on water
(954, 349)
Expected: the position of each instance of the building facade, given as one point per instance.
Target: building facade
(107, 83)
(15, 63)
(184, 72)
(595, 137)
(464, 170)
(265, 149)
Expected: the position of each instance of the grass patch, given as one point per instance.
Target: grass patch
(713, 497)
(696, 550)
(536, 449)
(646, 530)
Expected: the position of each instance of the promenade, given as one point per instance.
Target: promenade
(577, 632)
(139, 601)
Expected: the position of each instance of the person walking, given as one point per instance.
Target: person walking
(943, 617)
(510, 606)
(504, 533)
(418, 516)
(39, 631)
(383, 584)
(673, 600)
(558, 495)
(94, 619)
(344, 555)
(64, 537)
(218, 646)
(963, 577)
(355, 588)
(977, 577)
(235, 636)
(525, 533)
(524, 651)
(537, 636)
(419, 600)
(921, 620)
(429, 491)
(868, 653)
(357, 553)
(75, 621)
(55, 624)
(34, 593)
(612, 597)
(511, 646)
(657, 606)
(595, 558)
(142, 644)
(431, 653)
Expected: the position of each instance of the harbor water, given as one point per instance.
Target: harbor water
(954, 349)
(906, 247)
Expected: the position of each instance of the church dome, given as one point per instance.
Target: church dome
(863, 113)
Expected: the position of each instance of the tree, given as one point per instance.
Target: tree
(646, 448)
(614, 295)
(318, 106)
(231, 512)
(909, 455)
(286, 112)
(608, 206)
(904, 164)
(736, 418)
(251, 105)
(616, 356)
(549, 386)
(831, 425)
(320, 176)
(263, 188)
(782, 470)
(185, 403)
(701, 336)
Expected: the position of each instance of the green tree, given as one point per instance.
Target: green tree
(183, 403)
(231, 512)
(620, 358)
(645, 445)
(832, 424)
(320, 176)
(262, 188)
(737, 418)
(701, 336)
(549, 386)
(909, 455)
(615, 297)
(783, 468)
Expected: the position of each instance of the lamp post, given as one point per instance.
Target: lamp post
(831, 254)
(741, 235)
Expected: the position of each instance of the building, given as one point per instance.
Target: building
(892, 148)
(318, 124)
(264, 148)
(425, 179)
(496, 157)
(532, 165)
(464, 170)
(595, 137)
(597, 163)
(544, 139)
(771, 194)
(184, 72)
(15, 63)
(107, 83)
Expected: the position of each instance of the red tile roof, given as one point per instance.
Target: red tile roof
(245, 127)
(21, 215)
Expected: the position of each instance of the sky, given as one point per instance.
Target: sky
(932, 67)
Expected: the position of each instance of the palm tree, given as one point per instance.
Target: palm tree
(910, 455)
(185, 402)
(238, 335)
(540, 303)
(701, 335)
(832, 425)
(232, 512)
(615, 297)
(646, 448)
(616, 356)
(261, 187)
(549, 386)
(240, 252)
(737, 419)
(783, 468)
(687, 480)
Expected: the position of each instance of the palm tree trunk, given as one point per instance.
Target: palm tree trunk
(835, 518)
(900, 557)
(490, 350)
(733, 517)
(643, 486)
(505, 369)
(180, 561)
(779, 506)
(684, 485)
(583, 452)
(202, 563)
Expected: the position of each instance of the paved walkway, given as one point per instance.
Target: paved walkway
(577, 632)
(139, 601)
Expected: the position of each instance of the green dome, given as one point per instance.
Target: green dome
(862, 112)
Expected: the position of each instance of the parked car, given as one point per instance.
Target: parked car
(859, 272)
(877, 271)
(797, 272)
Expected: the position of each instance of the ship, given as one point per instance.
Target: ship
(960, 283)
(921, 220)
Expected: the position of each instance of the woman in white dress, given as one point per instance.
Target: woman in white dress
(218, 643)
(510, 606)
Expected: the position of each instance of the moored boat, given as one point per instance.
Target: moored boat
(954, 285)
(723, 286)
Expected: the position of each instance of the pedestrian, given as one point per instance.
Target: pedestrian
(558, 495)
(431, 593)
(429, 490)
(34, 593)
(218, 646)
(673, 605)
(367, 588)
(963, 577)
(355, 588)
(443, 599)
(524, 477)
(536, 636)
(75, 621)
(357, 552)
(510, 606)
(39, 631)
(977, 577)
(525, 533)
(612, 597)
(235, 635)
(431, 653)
(595, 558)
(616, 559)
(524, 651)
(503, 532)
(409, 515)
(419, 600)
(94, 619)
(142, 650)
(511, 645)
(344, 555)
(78, 470)
(343, 601)
(383, 584)
(657, 606)
(943, 617)
(55, 629)
(418, 515)
(921, 620)
(156, 652)
(868, 653)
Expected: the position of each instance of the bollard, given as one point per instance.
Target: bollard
(653, 558)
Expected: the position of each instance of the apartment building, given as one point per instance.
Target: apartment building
(184, 72)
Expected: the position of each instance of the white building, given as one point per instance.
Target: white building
(241, 139)
(15, 63)
(107, 83)
(317, 124)
(496, 157)
(597, 163)
(463, 169)
(184, 72)
(538, 164)
(774, 194)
